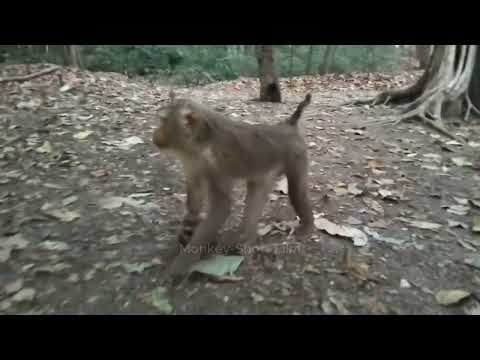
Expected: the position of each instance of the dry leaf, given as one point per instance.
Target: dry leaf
(453, 224)
(476, 224)
(405, 284)
(461, 161)
(111, 202)
(46, 148)
(460, 210)
(388, 240)
(421, 224)
(354, 190)
(63, 215)
(24, 295)
(450, 297)
(54, 245)
(359, 238)
(354, 221)
(13, 287)
(375, 205)
(375, 164)
(82, 135)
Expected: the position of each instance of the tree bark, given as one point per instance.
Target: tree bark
(327, 59)
(308, 67)
(292, 55)
(269, 85)
(445, 90)
(422, 53)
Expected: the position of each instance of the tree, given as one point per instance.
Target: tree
(450, 86)
(292, 56)
(308, 67)
(422, 53)
(269, 85)
(328, 57)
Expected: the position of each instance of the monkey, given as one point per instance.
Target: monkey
(216, 152)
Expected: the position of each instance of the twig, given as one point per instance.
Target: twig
(29, 76)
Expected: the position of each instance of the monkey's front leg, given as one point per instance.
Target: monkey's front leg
(195, 198)
(204, 235)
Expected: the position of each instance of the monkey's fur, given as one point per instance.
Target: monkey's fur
(216, 151)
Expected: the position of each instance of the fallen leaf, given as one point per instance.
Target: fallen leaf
(111, 202)
(450, 297)
(113, 240)
(49, 269)
(359, 238)
(476, 224)
(466, 245)
(421, 224)
(327, 307)
(24, 295)
(340, 307)
(473, 260)
(388, 240)
(454, 224)
(218, 265)
(66, 87)
(46, 148)
(69, 200)
(460, 210)
(380, 224)
(82, 135)
(63, 214)
(159, 299)
(461, 161)
(375, 205)
(257, 298)
(13, 287)
(375, 164)
(54, 245)
(475, 203)
(14, 242)
(129, 142)
(354, 190)
(312, 269)
(341, 190)
(5, 254)
(137, 267)
(354, 221)
(405, 284)
(461, 201)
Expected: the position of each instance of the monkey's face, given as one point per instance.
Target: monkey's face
(177, 128)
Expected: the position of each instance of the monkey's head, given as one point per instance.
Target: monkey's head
(182, 126)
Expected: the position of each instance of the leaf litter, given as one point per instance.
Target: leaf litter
(358, 237)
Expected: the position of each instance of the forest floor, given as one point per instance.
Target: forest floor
(89, 208)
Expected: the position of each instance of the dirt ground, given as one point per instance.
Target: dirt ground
(89, 208)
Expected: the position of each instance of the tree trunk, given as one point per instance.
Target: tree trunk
(449, 87)
(327, 59)
(269, 85)
(292, 55)
(75, 57)
(308, 68)
(422, 53)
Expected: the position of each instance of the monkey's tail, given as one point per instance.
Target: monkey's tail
(293, 120)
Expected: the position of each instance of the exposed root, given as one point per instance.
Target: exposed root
(29, 76)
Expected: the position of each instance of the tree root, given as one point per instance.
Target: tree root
(23, 78)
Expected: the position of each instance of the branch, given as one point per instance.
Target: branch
(29, 76)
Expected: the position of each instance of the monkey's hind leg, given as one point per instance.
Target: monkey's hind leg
(297, 174)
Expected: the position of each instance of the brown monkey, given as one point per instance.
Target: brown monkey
(216, 151)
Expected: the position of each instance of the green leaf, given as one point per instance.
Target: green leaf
(218, 265)
(161, 301)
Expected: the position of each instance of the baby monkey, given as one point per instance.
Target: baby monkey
(215, 152)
